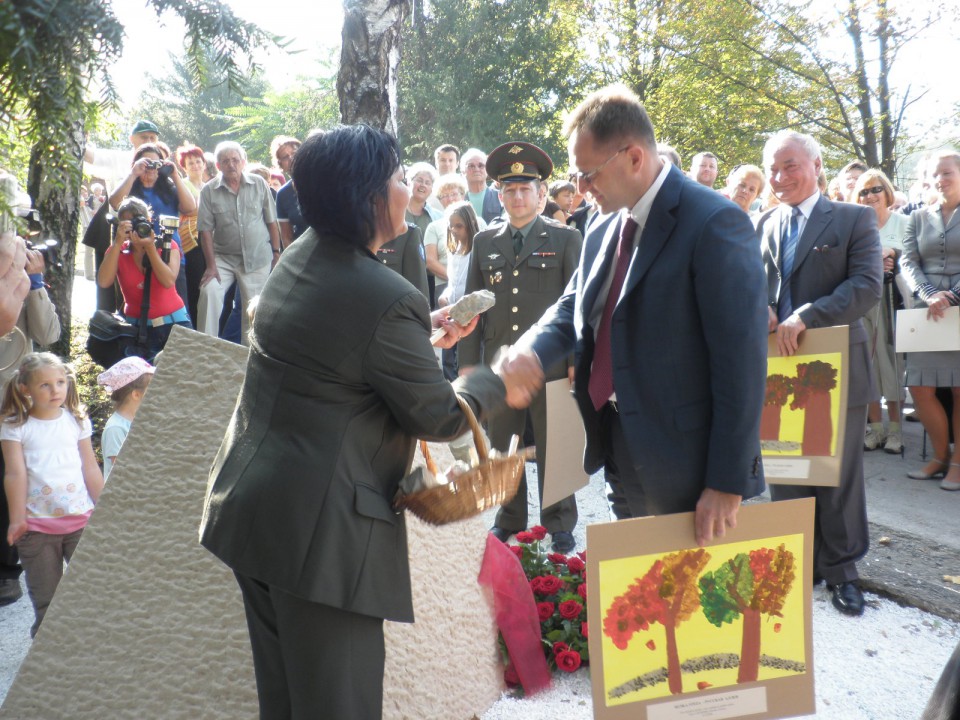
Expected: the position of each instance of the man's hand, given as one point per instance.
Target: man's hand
(34, 264)
(772, 321)
(14, 283)
(209, 274)
(788, 335)
(937, 304)
(716, 511)
(522, 373)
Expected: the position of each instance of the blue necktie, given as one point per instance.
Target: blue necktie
(788, 249)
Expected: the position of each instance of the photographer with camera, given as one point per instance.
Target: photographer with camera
(133, 251)
(36, 318)
(157, 182)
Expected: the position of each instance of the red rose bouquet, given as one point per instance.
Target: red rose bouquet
(559, 589)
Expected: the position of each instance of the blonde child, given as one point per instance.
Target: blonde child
(126, 382)
(52, 479)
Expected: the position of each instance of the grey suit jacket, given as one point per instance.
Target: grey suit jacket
(837, 277)
(340, 381)
(689, 340)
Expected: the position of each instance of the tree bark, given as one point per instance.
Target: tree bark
(367, 81)
(817, 425)
(750, 646)
(674, 678)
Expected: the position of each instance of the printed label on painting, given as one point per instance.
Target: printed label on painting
(714, 707)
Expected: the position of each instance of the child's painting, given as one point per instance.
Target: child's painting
(801, 428)
(679, 630)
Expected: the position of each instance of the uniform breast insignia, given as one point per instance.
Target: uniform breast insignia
(493, 256)
(386, 250)
(543, 254)
(497, 277)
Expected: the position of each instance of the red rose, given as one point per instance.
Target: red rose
(537, 585)
(570, 609)
(559, 647)
(538, 531)
(550, 584)
(516, 550)
(582, 591)
(583, 630)
(557, 558)
(582, 555)
(545, 610)
(568, 660)
(575, 565)
(525, 538)
(510, 676)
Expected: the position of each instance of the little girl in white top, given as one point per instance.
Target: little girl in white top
(52, 478)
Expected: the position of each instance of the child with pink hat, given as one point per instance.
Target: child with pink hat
(126, 381)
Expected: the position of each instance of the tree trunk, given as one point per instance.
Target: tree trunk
(750, 646)
(817, 425)
(54, 181)
(770, 422)
(674, 679)
(367, 81)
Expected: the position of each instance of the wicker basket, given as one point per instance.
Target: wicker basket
(493, 482)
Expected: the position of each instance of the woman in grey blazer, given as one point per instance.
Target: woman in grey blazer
(931, 267)
(340, 381)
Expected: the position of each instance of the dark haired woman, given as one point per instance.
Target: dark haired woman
(155, 180)
(340, 380)
(190, 159)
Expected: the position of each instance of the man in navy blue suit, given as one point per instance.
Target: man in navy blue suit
(667, 317)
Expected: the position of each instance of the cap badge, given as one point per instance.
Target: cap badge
(516, 168)
(515, 149)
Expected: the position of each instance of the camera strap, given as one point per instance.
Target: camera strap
(143, 326)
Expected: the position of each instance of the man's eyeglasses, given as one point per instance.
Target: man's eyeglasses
(876, 190)
(588, 177)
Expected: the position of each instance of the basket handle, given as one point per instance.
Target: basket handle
(431, 465)
(478, 440)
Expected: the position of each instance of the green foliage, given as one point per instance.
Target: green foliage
(480, 73)
(724, 592)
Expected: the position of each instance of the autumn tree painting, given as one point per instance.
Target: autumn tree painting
(666, 594)
(748, 585)
(811, 393)
(778, 392)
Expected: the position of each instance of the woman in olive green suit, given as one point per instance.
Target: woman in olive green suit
(340, 381)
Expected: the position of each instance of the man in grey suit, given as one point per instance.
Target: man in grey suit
(666, 316)
(823, 268)
(526, 262)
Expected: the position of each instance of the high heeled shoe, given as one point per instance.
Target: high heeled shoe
(935, 475)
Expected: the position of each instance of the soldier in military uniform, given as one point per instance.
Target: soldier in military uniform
(526, 262)
(404, 255)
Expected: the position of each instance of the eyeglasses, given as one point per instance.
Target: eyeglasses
(587, 178)
(419, 180)
(876, 190)
(450, 195)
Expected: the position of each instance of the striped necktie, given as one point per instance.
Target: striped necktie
(788, 250)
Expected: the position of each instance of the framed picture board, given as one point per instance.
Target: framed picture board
(563, 471)
(679, 632)
(805, 409)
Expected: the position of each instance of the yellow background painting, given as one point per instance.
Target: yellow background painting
(696, 636)
(791, 421)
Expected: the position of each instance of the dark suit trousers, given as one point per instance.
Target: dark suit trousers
(634, 494)
(513, 515)
(311, 660)
(840, 533)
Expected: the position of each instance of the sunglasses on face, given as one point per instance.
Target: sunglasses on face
(871, 191)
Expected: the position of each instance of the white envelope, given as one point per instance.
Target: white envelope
(915, 333)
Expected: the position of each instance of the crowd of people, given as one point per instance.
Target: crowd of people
(638, 284)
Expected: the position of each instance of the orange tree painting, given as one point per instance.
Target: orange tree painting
(748, 585)
(811, 393)
(666, 594)
(779, 388)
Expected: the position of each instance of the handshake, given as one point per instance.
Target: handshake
(521, 373)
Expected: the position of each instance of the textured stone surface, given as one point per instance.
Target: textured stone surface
(147, 624)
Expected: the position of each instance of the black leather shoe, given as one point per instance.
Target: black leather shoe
(563, 542)
(847, 598)
(10, 591)
(500, 534)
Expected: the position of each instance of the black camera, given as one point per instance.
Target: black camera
(153, 164)
(141, 226)
(48, 249)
